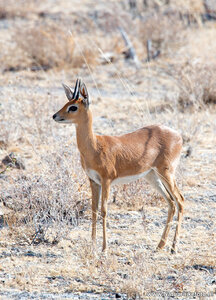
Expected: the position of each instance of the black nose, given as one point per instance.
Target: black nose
(54, 116)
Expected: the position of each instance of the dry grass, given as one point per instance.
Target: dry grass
(49, 45)
(197, 86)
(62, 201)
(164, 30)
(45, 241)
(17, 9)
(45, 46)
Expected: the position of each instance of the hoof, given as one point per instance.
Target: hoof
(161, 245)
(104, 254)
(173, 251)
(104, 250)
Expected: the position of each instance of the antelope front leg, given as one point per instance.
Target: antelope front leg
(96, 191)
(105, 196)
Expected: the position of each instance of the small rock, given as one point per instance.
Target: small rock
(171, 278)
(2, 222)
(188, 152)
(48, 254)
(12, 161)
(209, 269)
(51, 278)
(4, 211)
(31, 253)
(5, 254)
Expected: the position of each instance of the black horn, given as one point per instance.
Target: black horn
(76, 89)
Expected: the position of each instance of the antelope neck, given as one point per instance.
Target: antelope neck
(86, 140)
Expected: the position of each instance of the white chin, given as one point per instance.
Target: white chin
(64, 121)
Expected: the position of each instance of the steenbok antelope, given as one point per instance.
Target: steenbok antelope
(152, 151)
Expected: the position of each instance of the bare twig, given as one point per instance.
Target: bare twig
(130, 51)
(150, 54)
(149, 49)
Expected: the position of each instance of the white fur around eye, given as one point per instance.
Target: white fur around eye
(72, 108)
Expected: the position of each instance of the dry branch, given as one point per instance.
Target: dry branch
(130, 51)
(150, 53)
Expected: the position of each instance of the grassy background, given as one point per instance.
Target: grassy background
(45, 199)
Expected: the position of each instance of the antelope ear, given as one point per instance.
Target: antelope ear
(84, 94)
(83, 90)
(68, 91)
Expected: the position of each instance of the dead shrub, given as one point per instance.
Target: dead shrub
(163, 30)
(197, 86)
(136, 195)
(191, 10)
(109, 21)
(193, 7)
(186, 5)
(164, 22)
(17, 8)
(52, 199)
(51, 46)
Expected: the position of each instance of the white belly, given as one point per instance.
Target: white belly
(120, 180)
(93, 175)
(127, 179)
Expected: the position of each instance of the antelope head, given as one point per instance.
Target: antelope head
(78, 103)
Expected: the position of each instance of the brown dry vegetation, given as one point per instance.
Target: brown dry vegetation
(45, 201)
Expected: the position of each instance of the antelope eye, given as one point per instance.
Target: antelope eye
(72, 108)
